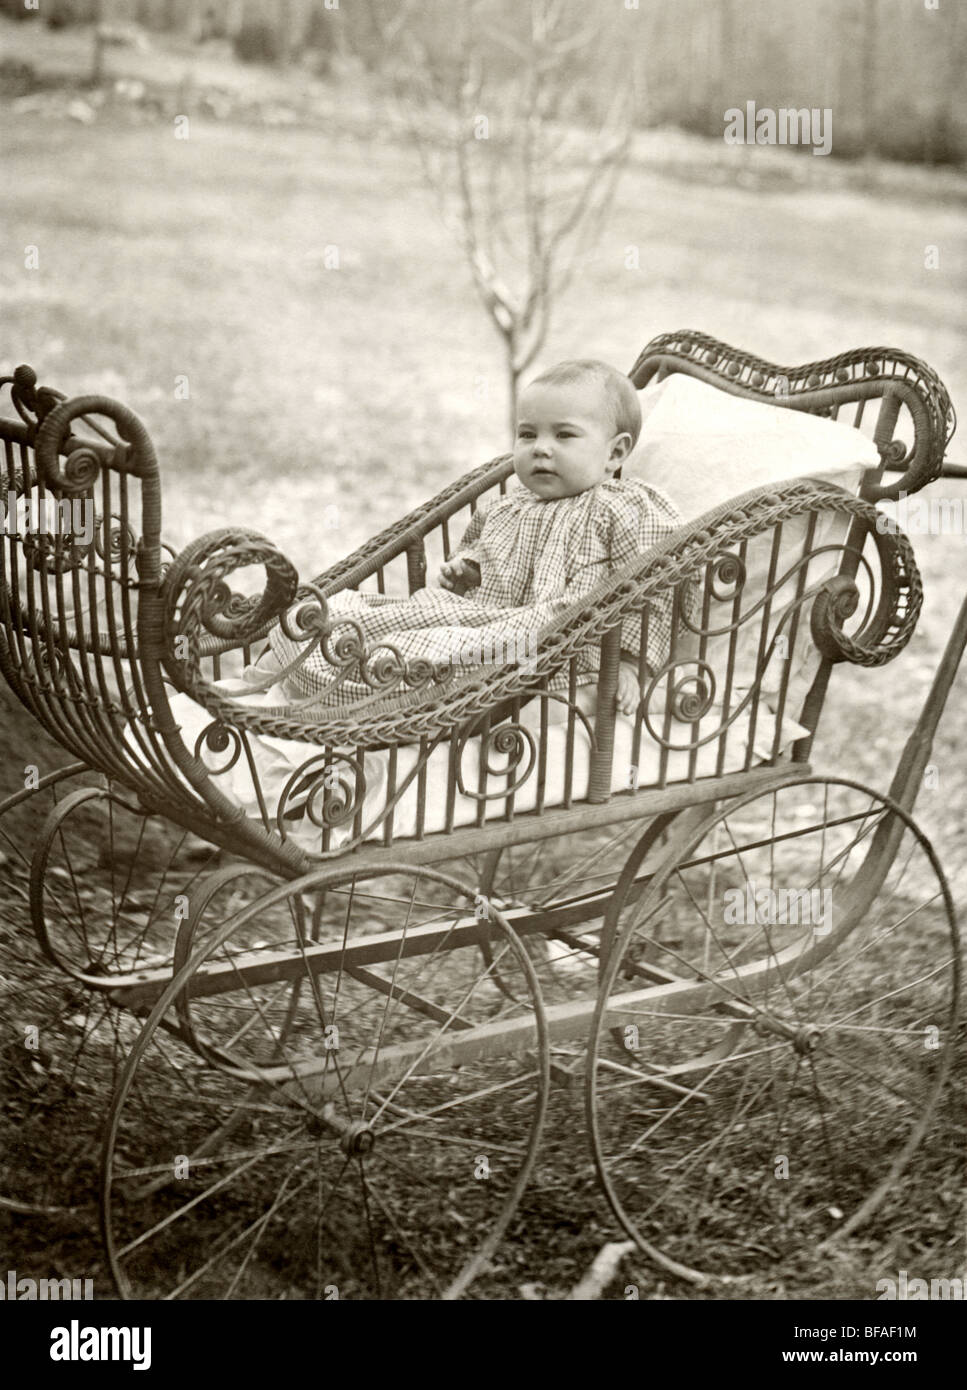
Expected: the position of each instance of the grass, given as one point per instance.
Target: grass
(370, 386)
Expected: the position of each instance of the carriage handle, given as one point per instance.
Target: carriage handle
(908, 777)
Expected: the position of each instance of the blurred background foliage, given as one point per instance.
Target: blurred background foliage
(891, 70)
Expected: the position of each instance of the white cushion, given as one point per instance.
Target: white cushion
(705, 447)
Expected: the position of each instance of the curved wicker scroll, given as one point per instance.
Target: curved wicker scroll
(198, 601)
(862, 374)
(200, 605)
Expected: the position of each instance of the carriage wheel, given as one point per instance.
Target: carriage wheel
(107, 884)
(101, 900)
(358, 1126)
(774, 1028)
(35, 1009)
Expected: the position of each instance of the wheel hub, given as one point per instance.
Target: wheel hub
(356, 1138)
(807, 1039)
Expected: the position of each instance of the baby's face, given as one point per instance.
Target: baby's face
(565, 440)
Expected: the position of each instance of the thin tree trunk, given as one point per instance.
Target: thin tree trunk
(97, 52)
(868, 79)
(513, 387)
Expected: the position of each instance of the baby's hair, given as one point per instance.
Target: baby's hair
(617, 389)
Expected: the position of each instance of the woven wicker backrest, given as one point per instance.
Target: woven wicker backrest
(80, 548)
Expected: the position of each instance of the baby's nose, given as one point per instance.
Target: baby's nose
(542, 447)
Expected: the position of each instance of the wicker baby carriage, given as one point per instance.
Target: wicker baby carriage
(352, 956)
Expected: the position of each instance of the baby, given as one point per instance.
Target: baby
(545, 545)
(577, 424)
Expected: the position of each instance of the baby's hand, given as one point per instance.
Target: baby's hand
(629, 691)
(460, 575)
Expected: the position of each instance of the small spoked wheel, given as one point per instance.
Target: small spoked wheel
(354, 1107)
(39, 1017)
(774, 1027)
(108, 884)
(101, 897)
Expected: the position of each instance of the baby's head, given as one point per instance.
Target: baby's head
(576, 423)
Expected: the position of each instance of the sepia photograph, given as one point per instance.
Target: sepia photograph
(483, 597)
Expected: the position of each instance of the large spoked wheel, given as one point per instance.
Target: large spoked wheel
(101, 898)
(774, 1028)
(354, 1106)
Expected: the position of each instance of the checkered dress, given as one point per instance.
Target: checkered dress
(536, 557)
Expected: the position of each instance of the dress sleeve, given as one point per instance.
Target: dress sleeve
(468, 548)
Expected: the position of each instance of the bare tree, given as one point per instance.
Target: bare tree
(522, 129)
(868, 53)
(96, 74)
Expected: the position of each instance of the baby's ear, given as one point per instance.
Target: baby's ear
(620, 449)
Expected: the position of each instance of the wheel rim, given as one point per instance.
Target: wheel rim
(108, 882)
(46, 1026)
(66, 1037)
(314, 1169)
(782, 1076)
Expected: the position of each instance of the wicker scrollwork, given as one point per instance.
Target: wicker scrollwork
(727, 576)
(381, 669)
(513, 743)
(132, 452)
(682, 559)
(327, 790)
(693, 695)
(883, 633)
(218, 739)
(114, 539)
(198, 600)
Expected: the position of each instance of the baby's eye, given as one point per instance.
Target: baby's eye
(525, 433)
(565, 434)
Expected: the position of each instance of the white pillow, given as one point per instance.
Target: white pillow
(704, 446)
